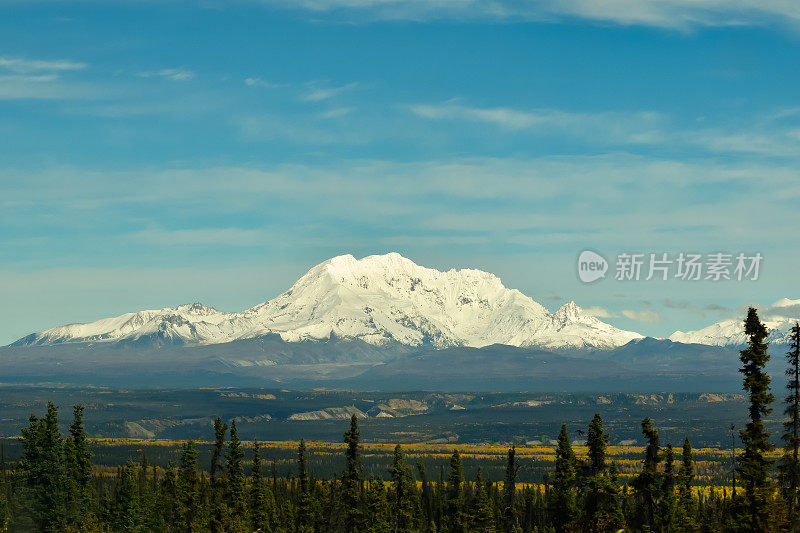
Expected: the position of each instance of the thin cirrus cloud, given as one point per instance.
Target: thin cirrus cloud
(643, 127)
(318, 93)
(598, 312)
(172, 74)
(26, 66)
(673, 14)
(259, 82)
(35, 79)
(645, 315)
(774, 135)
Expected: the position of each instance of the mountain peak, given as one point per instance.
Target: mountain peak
(568, 312)
(377, 299)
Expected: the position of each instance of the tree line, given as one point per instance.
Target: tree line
(53, 487)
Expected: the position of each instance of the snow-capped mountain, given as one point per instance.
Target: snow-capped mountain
(778, 318)
(377, 299)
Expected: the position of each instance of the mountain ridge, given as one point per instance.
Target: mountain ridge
(377, 299)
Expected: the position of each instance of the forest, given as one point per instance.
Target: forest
(55, 486)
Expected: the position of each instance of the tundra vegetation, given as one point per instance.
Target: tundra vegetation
(54, 486)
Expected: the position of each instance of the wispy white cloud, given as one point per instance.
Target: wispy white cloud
(318, 92)
(632, 128)
(676, 14)
(258, 82)
(777, 134)
(645, 315)
(173, 74)
(26, 66)
(200, 236)
(599, 312)
(336, 113)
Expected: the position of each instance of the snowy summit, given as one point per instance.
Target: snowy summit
(377, 299)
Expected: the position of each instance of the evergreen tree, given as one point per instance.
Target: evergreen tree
(510, 520)
(455, 503)
(754, 465)
(169, 504)
(482, 515)
(42, 469)
(648, 482)
(666, 515)
(126, 506)
(404, 502)
(258, 513)
(685, 520)
(352, 479)
(218, 509)
(790, 462)
(235, 495)
(426, 496)
(376, 508)
(5, 506)
(188, 488)
(562, 503)
(597, 442)
(78, 466)
(304, 499)
(602, 493)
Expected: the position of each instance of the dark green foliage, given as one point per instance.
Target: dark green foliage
(42, 468)
(510, 520)
(188, 487)
(235, 486)
(602, 501)
(648, 483)
(352, 479)
(304, 510)
(78, 471)
(404, 499)
(667, 505)
(789, 466)
(754, 465)
(686, 510)
(219, 511)
(562, 497)
(454, 507)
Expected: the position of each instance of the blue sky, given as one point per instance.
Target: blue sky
(157, 153)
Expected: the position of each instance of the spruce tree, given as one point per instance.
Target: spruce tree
(258, 514)
(510, 520)
(789, 465)
(602, 493)
(235, 494)
(352, 479)
(666, 515)
(404, 493)
(482, 514)
(754, 465)
(648, 482)
(5, 505)
(304, 498)
(376, 508)
(126, 500)
(685, 518)
(562, 503)
(455, 502)
(42, 469)
(78, 466)
(188, 488)
(218, 509)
